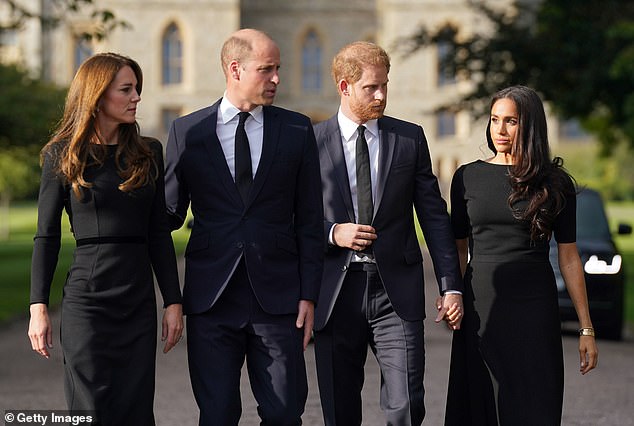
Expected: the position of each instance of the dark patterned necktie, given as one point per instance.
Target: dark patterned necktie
(364, 183)
(244, 173)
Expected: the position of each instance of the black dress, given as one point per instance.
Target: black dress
(108, 318)
(507, 359)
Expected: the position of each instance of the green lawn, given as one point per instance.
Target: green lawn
(623, 212)
(15, 258)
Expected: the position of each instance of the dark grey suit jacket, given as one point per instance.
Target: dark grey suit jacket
(279, 229)
(405, 182)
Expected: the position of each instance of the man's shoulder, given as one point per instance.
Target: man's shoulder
(325, 123)
(197, 115)
(287, 115)
(387, 122)
(326, 127)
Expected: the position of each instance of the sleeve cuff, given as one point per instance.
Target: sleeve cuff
(448, 284)
(331, 239)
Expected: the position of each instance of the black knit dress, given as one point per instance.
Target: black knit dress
(109, 324)
(507, 359)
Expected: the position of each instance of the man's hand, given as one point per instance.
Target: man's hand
(306, 319)
(353, 236)
(450, 309)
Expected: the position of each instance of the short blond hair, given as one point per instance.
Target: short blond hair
(239, 45)
(348, 63)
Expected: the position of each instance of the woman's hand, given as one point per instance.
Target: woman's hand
(588, 353)
(40, 331)
(450, 309)
(172, 331)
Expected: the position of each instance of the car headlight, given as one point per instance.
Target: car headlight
(596, 266)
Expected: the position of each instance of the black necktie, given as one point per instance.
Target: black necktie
(364, 183)
(244, 174)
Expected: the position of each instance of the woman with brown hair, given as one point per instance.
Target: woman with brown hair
(109, 180)
(507, 358)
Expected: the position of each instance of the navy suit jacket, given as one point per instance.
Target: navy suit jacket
(278, 230)
(405, 182)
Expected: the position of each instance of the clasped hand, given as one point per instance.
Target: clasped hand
(450, 309)
(353, 236)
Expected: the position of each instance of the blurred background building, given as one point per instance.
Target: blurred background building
(177, 43)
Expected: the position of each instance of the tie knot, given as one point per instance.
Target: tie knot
(242, 116)
(361, 130)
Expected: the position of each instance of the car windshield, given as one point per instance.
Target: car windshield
(592, 223)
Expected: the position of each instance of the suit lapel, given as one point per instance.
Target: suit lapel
(272, 126)
(340, 171)
(387, 140)
(216, 154)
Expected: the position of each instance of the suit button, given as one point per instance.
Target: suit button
(345, 268)
(240, 245)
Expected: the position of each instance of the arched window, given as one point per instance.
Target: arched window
(445, 73)
(311, 63)
(172, 56)
(445, 124)
(168, 115)
(82, 51)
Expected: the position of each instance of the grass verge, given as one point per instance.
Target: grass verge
(15, 260)
(15, 257)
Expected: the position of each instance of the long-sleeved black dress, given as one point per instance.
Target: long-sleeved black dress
(108, 318)
(507, 359)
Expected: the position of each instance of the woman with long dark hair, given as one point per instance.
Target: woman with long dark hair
(507, 358)
(109, 179)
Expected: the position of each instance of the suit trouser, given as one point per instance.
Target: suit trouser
(235, 328)
(362, 316)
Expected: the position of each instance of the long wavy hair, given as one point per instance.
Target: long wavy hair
(75, 136)
(535, 177)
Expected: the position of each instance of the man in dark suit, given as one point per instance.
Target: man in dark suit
(255, 255)
(375, 169)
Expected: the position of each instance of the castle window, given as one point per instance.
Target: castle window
(445, 123)
(81, 51)
(311, 63)
(168, 115)
(172, 56)
(445, 75)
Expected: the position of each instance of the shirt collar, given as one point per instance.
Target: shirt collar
(349, 127)
(228, 111)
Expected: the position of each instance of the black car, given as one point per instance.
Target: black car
(603, 268)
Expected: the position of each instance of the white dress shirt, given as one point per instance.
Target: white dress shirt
(349, 132)
(226, 131)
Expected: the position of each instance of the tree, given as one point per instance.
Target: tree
(579, 55)
(29, 109)
(16, 179)
(54, 12)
